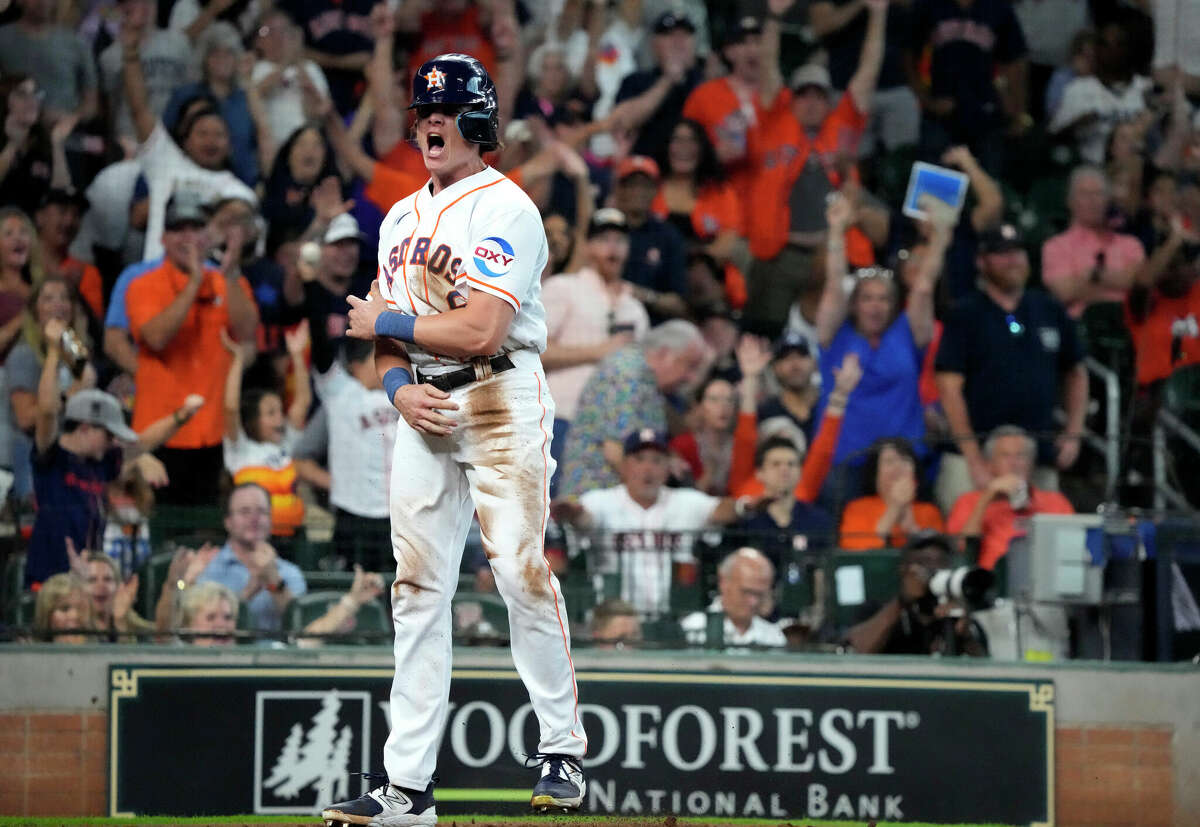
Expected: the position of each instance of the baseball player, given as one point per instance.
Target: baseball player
(457, 320)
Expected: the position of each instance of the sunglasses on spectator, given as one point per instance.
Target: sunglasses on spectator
(863, 273)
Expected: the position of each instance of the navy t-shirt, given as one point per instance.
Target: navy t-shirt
(1011, 371)
(656, 258)
(773, 407)
(653, 136)
(845, 47)
(811, 528)
(69, 490)
(336, 27)
(968, 43)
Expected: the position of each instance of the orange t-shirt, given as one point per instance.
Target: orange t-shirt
(718, 209)
(87, 281)
(194, 361)
(461, 33)
(780, 147)
(817, 462)
(1000, 523)
(715, 105)
(1153, 336)
(862, 515)
(388, 185)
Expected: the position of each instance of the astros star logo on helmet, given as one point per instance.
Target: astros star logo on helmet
(436, 78)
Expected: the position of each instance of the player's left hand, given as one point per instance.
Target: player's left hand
(422, 406)
(364, 312)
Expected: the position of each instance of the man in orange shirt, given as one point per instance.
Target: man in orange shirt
(802, 149)
(176, 314)
(730, 106)
(995, 515)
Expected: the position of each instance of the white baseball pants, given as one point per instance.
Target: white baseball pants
(496, 463)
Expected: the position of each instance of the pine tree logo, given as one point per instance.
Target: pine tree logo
(312, 767)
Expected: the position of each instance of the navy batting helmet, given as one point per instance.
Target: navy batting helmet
(460, 80)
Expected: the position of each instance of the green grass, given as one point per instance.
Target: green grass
(625, 821)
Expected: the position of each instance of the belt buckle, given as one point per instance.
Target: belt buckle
(483, 368)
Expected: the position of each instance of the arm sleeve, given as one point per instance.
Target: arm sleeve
(819, 459)
(142, 303)
(508, 253)
(294, 579)
(21, 369)
(960, 511)
(745, 441)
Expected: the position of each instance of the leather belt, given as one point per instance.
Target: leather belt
(480, 369)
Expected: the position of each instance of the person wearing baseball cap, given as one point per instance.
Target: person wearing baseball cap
(176, 309)
(642, 502)
(657, 263)
(794, 366)
(651, 101)
(590, 314)
(800, 143)
(718, 104)
(74, 462)
(1009, 355)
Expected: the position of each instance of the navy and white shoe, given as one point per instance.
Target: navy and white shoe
(561, 786)
(386, 806)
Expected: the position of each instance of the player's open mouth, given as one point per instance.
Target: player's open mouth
(435, 145)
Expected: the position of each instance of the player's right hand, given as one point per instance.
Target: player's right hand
(421, 407)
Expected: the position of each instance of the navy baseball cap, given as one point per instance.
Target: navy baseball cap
(791, 342)
(645, 438)
(1001, 239)
(669, 21)
(743, 28)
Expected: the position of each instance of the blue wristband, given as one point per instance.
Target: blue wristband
(394, 380)
(395, 325)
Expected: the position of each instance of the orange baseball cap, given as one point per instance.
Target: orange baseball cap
(635, 164)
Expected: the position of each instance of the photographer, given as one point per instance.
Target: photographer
(916, 622)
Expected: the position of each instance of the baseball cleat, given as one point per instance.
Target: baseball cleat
(386, 806)
(561, 786)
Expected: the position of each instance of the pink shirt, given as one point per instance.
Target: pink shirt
(1069, 258)
(579, 308)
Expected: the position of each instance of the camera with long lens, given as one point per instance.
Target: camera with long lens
(966, 584)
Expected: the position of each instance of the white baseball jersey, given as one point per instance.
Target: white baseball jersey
(641, 543)
(362, 431)
(482, 233)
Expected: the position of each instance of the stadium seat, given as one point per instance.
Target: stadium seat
(492, 610)
(303, 610)
(169, 522)
(1181, 392)
(879, 577)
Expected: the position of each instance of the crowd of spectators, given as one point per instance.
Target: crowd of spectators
(747, 335)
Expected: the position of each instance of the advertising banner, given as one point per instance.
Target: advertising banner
(288, 740)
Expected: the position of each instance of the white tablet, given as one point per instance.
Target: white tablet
(948, 185)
